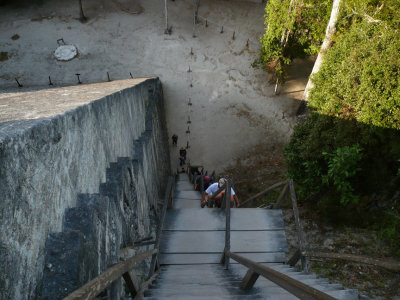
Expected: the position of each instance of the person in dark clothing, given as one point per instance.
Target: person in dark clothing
(182, 152)
(182, 156)
(181, 161)
(207, 182)
(174, 140)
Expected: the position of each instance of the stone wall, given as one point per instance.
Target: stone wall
(52, 198)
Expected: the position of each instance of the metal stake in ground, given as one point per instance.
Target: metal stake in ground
(82, 16)
(108, 77)
(79, 80)
(167, 29)
(50, 83)
(19, 85)
(130, 74)
(196, 12)
(59, 41)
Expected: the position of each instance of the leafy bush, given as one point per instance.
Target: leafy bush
(360, 77)
(342, 167)
(347, 151)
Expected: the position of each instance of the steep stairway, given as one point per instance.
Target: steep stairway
(192, 243)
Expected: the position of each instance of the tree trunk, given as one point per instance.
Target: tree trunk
(330, 31)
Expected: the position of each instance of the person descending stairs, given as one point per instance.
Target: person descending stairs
(192, 243)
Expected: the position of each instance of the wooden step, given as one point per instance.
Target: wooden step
(214, 219)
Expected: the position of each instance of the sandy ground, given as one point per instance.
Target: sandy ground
(233, 105)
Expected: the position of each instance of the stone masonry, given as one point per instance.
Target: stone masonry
(78, 182)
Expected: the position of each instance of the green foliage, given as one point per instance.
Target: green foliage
(371, 11)
(388, 227)
(342, 167)
(360, 77)
(347, 151)
(304, 25)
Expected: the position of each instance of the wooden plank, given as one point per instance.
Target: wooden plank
(184, 186)
(294, 258)
(294, 286)
(213, 258)
(101, 282)
(214, 219)
(282, 197)
(213, 241)
(188, 194)
(130, 284)
(183, 177)
(249, 280)
(387, 264)
(185, 204)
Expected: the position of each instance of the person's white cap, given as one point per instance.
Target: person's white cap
(221, 182)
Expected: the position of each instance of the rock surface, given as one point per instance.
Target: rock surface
(46, 162)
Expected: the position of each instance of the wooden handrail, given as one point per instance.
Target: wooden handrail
(272, 187)
(387, 264)
(300, 234)
(168, 195)
(94, 287)
(228, 222)
(293, 286)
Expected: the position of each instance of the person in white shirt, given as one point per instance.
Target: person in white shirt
(218, 199)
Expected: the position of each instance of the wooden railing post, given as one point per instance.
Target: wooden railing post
(228, 223)
(202, 182)
(249, 280)
(130, 284)
(298, 226)
(282, 197)
(171, 195)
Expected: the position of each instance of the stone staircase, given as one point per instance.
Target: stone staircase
(193, 240)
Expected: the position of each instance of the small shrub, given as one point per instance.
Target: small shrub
(342, 167)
